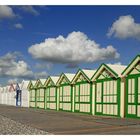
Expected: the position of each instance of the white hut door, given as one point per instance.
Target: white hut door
(99, 98)
(47, 98)
(61, 98)
(131, 97)
(77, 99)
(138, 99)
(38, 98)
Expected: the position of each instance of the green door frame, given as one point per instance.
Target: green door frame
(71, 92)
(118, 96)
(135, 77)
(39, 101)
(90, 102)
(34, 97)
(46, 96)
(99, 113)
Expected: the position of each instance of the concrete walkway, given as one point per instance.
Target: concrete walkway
(62, 123)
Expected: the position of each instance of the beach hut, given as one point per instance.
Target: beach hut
(65, 92)
(4, 95)
(32, 94)
(24, 93)
(7, 95)
(12, 94)
(2, 91)
(83, 91)
(51, 92)
(0, 95)
(132, 76)
(107, 80)
(40, 93)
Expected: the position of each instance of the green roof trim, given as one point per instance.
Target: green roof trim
(30, 85)
(116, 75)
(130, 63)
(108, 68)
(63, 74)
(80, 70)
(50, 79)
(38, 82)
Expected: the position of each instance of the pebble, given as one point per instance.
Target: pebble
(11, 127)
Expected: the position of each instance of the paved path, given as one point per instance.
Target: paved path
(57, 122)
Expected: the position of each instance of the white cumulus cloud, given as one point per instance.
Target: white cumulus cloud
(29, 9)
(117, 63)
(125, 27)
(10, 66)
(11, 81)
(42, 65)
(75, 48)
(40, 75)
(18, 26)
(6, 12)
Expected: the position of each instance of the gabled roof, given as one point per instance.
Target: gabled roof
(24, 84)
(54, 79)
(11, 88)
(86, 73)
(40, 81)
(31, 82)
(89, 73)
(36, 83)
(68, 76)
(131, 65)
(20, 85)
(14, 85)
(4, 88)
(115, 70)
(0, 89)
(7, 88)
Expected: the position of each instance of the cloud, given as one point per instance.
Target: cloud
(18, 26)
(16, 70)
(72, 66)
(75, 48)
(117, 63)
(29, 9)
(48, 66)
(10, 66)
(40, 75)
(11, 81)
(125, 27)
(6, 12)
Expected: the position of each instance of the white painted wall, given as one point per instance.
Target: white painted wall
(122, 98)
(93, 99)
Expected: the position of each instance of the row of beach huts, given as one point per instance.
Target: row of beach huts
(110, 90)
(15, 94)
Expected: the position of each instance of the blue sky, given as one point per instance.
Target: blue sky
(24, 26)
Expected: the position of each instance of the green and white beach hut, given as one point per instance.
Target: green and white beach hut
(32, 92)
(65, 92)
(83, 91)
(132, 76)
(51, 92)
(40, 93)
(107, 89)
